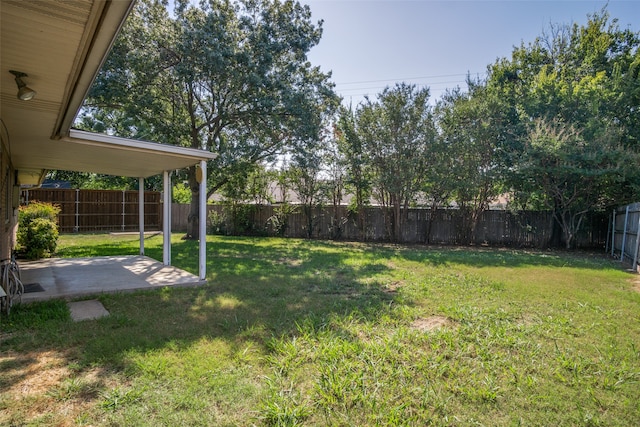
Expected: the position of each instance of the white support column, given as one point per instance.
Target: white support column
(141, 212)
(166, 219)
(203, 221)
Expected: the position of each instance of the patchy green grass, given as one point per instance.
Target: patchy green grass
(297, 332)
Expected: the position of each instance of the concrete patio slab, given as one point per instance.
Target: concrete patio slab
(75, 277)
(87, 310)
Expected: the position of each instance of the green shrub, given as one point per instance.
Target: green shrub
(181, 193)
(279, 221)
(38, 229)
(218, 223)
(241, 218)
(235, 219)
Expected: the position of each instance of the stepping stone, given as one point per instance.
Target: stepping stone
(87, 310)
(33, 287)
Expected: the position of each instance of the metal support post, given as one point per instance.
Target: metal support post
(203, 221)
(141, 212)
(166, 220)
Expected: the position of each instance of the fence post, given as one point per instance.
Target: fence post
(635, 256)
(613, 232)
(123, 213)
(76, 229)
(624, 234)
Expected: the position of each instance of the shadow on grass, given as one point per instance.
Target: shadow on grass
(258, 289)
(185, 253)
(498, 257)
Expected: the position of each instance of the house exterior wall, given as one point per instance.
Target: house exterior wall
(8, 212)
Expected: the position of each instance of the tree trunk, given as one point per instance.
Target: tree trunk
(473, 227)
(308, 210)
(568, 240)
(362, 226)
(555, 240)
(397, 221)
(432, 214)
(465, 225)
(193, 230)
(570, 227)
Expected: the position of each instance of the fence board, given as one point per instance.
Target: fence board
(100, 210)
(495, 227)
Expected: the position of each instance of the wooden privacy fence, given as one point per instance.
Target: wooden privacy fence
(444, 226)
(625, 234)
(100, 210)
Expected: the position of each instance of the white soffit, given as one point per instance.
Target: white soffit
(90, 152)
(61, 45)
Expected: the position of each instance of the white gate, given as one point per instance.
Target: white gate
(625, 238)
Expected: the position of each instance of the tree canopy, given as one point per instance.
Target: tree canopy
(555, 126)
(231, 77)
(397, 132)
(573, 96)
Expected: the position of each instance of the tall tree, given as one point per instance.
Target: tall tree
(358, 179)
(335, 164)
(231, 77)
(572, 172)
(396, 131)
(306, 181)
(475, 134)
(576, 93)
(439, 184)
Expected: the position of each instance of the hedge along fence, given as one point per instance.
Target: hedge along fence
(100, 210)
(444, 226)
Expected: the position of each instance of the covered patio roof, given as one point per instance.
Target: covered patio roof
(60, 45)
(123, 157)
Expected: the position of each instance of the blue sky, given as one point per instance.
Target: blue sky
(372, 44)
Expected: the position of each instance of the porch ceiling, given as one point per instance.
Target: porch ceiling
(118, 156)
(61, 45)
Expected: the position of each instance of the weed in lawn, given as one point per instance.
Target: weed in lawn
(283, 404)
(74, 388)
(118, 397)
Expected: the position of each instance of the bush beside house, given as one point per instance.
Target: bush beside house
(38, 230)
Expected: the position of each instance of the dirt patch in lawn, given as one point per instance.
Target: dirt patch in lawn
(432, 323)
(34, 373)
(392, 288)
(41, 383)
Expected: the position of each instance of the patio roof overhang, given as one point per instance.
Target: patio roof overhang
(120, 156)
(61, 46)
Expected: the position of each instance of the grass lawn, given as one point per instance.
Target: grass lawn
(297, 332)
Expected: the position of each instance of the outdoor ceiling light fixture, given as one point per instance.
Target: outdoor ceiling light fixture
(25, 93)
